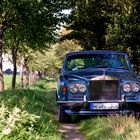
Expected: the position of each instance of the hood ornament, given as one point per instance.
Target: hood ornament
(104, 77)
(103, 72)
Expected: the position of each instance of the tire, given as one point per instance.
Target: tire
(63, 117)
(56, 96)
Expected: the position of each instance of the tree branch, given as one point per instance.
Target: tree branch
(6, 23)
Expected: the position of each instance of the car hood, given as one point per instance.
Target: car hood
(92, 73)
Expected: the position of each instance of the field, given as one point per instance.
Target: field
(8, 81)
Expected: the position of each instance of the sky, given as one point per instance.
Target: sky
(6, 63)
(67, 12)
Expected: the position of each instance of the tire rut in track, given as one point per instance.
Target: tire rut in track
(70, 131)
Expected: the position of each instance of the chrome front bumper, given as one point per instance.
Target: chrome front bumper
(123, 100)
(85, 110)
(98, 112)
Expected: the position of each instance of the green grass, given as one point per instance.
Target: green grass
(111, 128)
(8, 81)
(28, 114)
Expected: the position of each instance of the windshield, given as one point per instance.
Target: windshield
(85, 61)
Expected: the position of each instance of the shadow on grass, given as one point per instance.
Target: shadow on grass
(78, 119)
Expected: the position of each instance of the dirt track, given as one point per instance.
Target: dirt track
(70, 131)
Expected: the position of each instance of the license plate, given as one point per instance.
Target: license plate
(95, 106)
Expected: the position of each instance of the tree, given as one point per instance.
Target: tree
(35, 23)
(123, 30)
(44, 62)
(62, 48)
(88, 24)
(106, 24)
(47, 62)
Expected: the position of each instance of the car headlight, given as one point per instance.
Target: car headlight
(82, 88)
(73, 88)
(76, 87)
(135, 87)
(126, 87)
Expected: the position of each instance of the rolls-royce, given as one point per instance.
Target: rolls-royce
(97, 83)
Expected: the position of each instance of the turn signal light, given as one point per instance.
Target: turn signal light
(64, 89)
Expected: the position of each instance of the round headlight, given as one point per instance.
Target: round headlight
(82, 88)
(73, 88)
(135, 87)
(126, 88)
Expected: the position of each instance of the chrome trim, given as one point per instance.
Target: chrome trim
(105, 101)
(97, 112)
(70, 102)
(85, 99)
(123, 98)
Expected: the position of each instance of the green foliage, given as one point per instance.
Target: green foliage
(62, 48)
(106, 24)
(28, 114)
(88, 23)
(44, 61)
(50, 60)
(32, 22)
(111, 128)
(122, 32)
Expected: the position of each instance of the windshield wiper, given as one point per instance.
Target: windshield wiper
(122, 68)
(100, 66)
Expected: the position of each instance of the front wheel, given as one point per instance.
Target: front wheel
(63, 117)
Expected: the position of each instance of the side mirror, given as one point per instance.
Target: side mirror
(60, 70)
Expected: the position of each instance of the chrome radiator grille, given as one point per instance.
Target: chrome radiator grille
(104, 90)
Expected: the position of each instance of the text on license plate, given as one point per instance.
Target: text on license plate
(98, 106)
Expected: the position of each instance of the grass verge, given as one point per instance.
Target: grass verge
(111, 128)
(28, 114)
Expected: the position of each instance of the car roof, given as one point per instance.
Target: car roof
(95, 52)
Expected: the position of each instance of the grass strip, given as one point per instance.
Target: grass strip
(114, 127)
(28, 114)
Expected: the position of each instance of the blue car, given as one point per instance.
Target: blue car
(97, 83)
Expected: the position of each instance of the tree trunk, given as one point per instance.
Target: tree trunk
(30, 77)
(26, 73)
(1, 71)
(40, 74)
(21, 75)
(27, 77)
(35, 76)
(14, 57)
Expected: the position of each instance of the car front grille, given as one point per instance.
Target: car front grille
(104, 90)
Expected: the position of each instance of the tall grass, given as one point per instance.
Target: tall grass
(28, 114)
(111, 128)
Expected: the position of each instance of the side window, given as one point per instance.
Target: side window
(122, 61)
